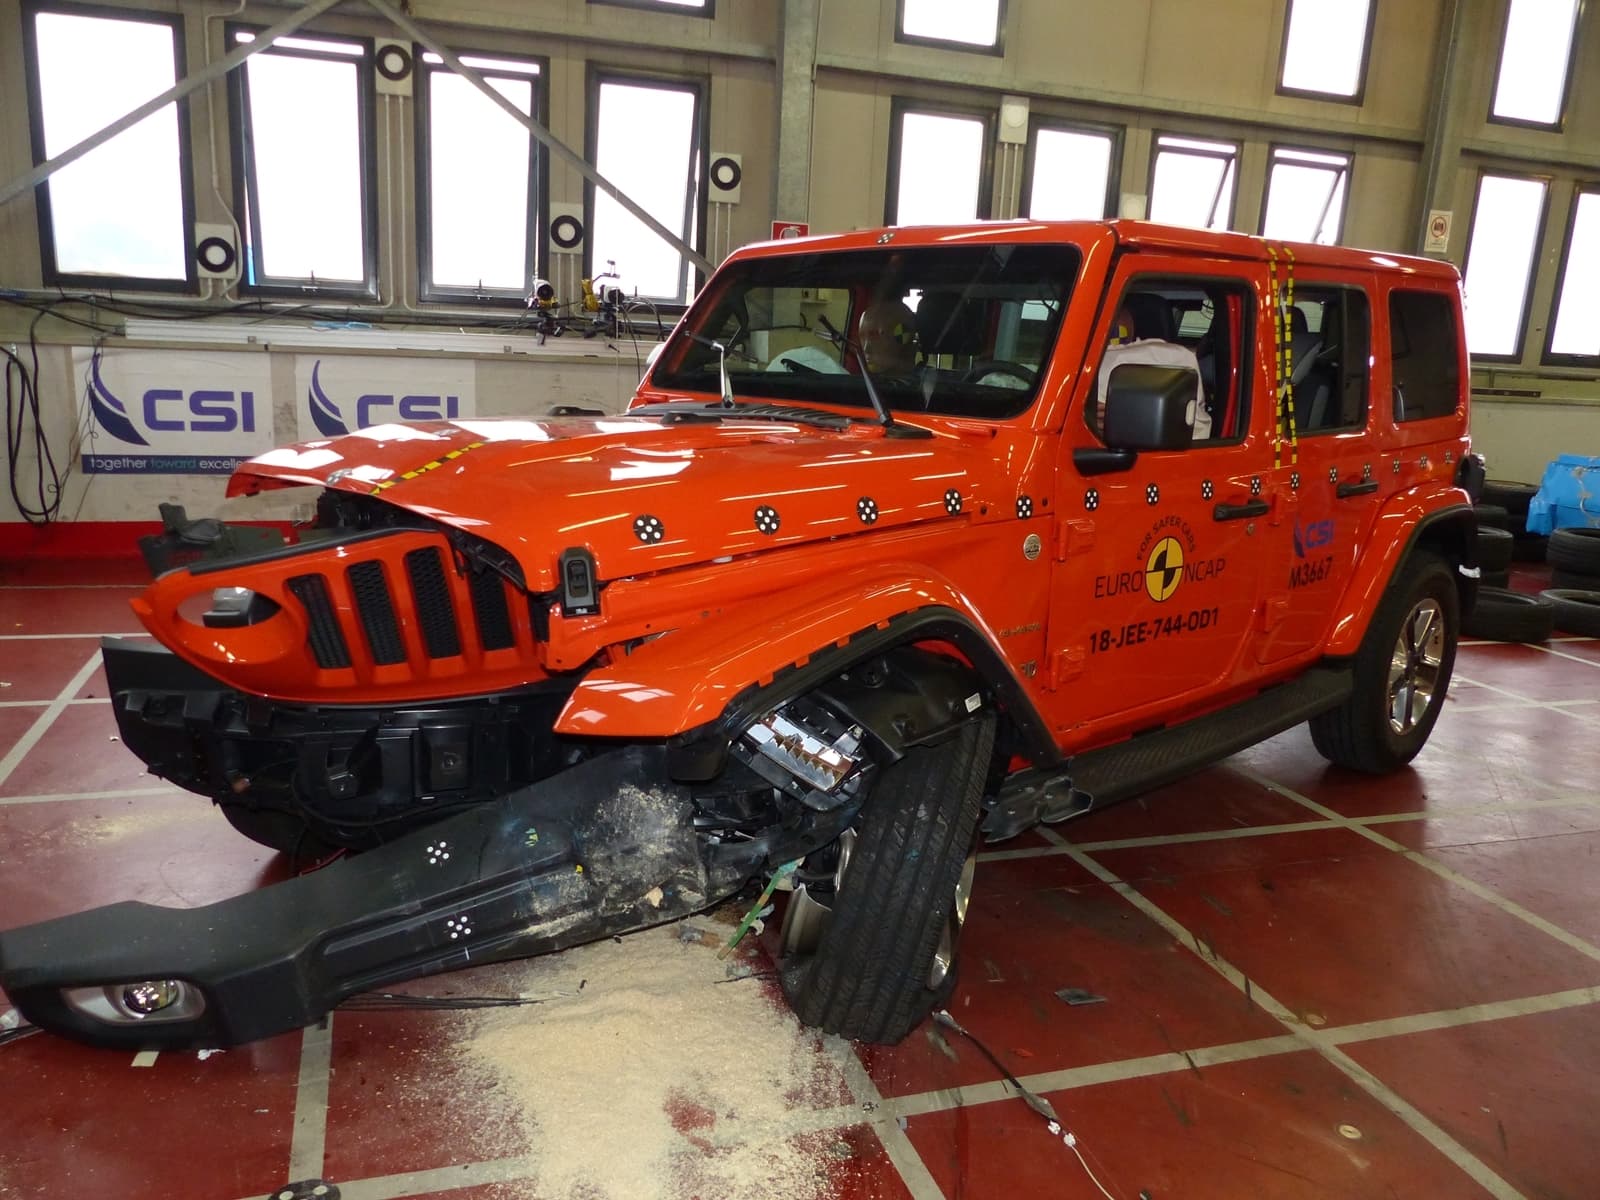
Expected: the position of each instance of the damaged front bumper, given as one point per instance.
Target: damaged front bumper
(603, 848)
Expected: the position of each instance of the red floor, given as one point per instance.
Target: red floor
(1311, 984)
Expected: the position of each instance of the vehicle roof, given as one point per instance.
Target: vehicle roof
(1135, 235)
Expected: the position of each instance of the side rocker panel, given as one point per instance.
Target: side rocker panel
(1407, 520)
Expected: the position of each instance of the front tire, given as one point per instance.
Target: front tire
(885, 959)
(1402, 673)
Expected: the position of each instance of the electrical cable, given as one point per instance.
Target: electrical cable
(22, 406)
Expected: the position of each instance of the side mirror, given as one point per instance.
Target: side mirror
(1150, 407)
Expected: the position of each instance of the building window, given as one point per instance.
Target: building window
(121, 212)
(1575, 331)
(1506, 222)
(648, 138)
(1535, 62)
(939, 165)
(961, 24)
(1305, 195)
(697, 8)
(1071, 174)
(1325, 48)
(304, 165)
(478, 211)
(1192, 182)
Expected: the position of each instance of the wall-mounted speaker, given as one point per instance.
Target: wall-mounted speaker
(727, 173)
(566, 228)
(216, 256)
(393, 63)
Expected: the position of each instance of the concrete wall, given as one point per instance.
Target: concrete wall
(1419, 137)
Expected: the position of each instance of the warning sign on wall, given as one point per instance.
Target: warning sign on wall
(1438, 239)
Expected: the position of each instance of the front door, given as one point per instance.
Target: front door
(1159, 568)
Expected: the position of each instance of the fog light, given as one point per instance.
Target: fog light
(236, 607)
(148, 1000)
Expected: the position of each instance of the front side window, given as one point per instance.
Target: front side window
(1070, 174)
(647, 139)
(962, 24)
(119, 213)
(1575, 332)
(1305, 195)
(1192, 182)
(938, 166)
(1535, 61)
(957, 329)
(303, 109)
(1325, 46)
(478, 210)
(1424, 355)
(1500, 258)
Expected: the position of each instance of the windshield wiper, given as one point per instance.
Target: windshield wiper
(891, 427)
(722, 364)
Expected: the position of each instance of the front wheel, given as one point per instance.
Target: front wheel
(883, 957)
(1402, 672)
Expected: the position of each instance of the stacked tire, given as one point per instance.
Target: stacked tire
(1574, 557)
(1504, 506)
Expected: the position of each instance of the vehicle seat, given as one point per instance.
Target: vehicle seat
(947, 326)
(1313, 381)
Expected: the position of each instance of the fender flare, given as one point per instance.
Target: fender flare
(701, 684)
(1439, 515)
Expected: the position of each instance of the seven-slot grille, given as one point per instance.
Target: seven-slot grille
(422, 594)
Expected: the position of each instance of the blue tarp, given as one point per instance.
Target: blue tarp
(1569, 495)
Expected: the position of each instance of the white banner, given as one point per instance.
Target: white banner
(173, 412)
(337, 394)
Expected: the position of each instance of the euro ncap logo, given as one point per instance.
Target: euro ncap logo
(109, 412)
(325, 414)
(1164, 569)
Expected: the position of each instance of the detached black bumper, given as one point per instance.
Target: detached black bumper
(569, 860)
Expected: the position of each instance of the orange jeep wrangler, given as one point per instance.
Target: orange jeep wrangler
(908, 535)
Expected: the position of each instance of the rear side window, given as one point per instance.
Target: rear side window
(1425, 355)
(1328, 341)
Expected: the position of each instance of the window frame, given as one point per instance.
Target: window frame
(1039, 123)
(708, 12)
(50, 274)
(1533, 265)
(1345, 289)
(1238, 169)
(1359, 96)
(1245, 345)
(899, 106)
(1560, 123)
(538, 181)
(997, 50)
(242, 153)
(696, 202)
(1463, 358)
(1549, 357)
(1349, 177)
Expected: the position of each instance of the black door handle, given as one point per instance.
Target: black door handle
(1234, 512)
(1365, 488)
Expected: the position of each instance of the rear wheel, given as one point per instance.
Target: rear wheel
(1402, 672)
(881, 953)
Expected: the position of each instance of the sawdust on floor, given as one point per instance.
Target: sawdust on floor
(657, 1074)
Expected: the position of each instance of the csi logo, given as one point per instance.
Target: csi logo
(1314, 535)
(374, 408)
(170, 410)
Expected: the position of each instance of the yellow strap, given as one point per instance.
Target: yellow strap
(1288, 358)
(1278, 317)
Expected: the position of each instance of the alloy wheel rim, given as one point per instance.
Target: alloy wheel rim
(945, 956)
(1415, 666)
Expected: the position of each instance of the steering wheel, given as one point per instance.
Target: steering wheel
(999, 366)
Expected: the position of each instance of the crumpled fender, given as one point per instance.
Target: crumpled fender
(687, 677)
(1403, 521)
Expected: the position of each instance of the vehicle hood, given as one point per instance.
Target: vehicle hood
(644, 494)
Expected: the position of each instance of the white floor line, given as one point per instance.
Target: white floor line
(1588, 662)
(114, 794)
(1368, 1082)
(1455, 1018)
(23, 703)
(1207, 835)
(1449, 874)
(307, 1147)
(47, 718)
(426, 1183)
(897, 1144)
(75, 587)
(55, 637)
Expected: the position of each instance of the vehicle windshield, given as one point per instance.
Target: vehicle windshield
(961, 329)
